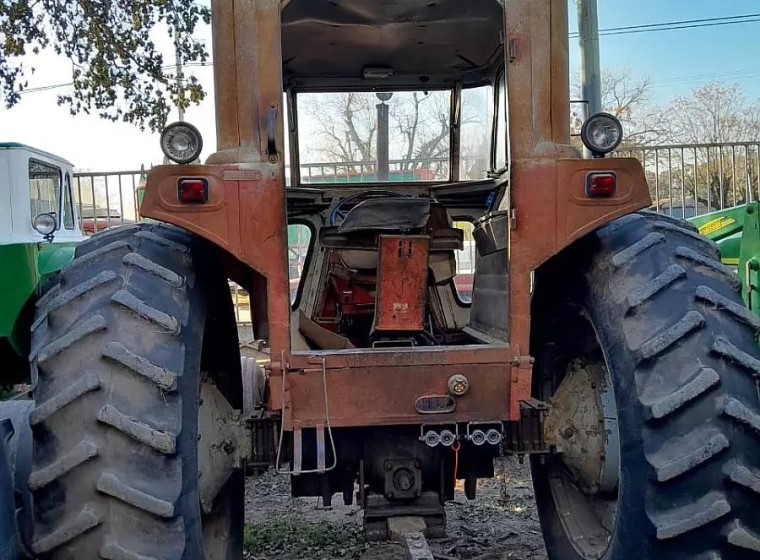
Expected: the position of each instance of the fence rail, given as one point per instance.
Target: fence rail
(421, 169)
(683, 179)
(691, 179)
(106, 199)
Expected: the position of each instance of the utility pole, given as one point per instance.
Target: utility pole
(180, 77)
(383, 162)
(588, 40)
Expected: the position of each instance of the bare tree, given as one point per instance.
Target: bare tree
(342, 128)
(714, 113)
(346, 124)
(715, 169)
(423, 121)
(628, 98)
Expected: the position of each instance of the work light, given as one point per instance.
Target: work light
(601, 133)
(181, 142)
(45, 224)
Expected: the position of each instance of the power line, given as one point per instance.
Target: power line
(626, 30)
(744, 73)
(675, 25)
(683, 22)
(69, 84)
(45, 88)
(695, 26)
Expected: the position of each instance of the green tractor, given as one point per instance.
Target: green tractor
(736, 231)
(39, 230)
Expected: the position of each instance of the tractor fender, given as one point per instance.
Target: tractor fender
(16, 521)
(53, 260)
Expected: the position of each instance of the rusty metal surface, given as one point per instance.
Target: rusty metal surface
(245, 217)
(549, 206)
(402, 282)
(465, 355)
(377, 31)
(374, 396)
(537, 56)
(575, 424)
(551, 216)
(375, 387)
(247, 78)
(234, 221)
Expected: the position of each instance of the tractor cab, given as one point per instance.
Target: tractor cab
(395, 174)
(37, 196)
(38, 230)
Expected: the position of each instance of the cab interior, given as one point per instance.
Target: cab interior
(397, 173)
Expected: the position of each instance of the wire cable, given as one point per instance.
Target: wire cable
(676, 25)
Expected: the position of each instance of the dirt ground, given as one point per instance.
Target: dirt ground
(495, 526)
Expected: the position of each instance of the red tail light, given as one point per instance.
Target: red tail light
(192, 191)
(601, 184)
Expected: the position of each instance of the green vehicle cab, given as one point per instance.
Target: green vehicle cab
(38, 233)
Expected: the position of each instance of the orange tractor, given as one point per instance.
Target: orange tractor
(608, 344)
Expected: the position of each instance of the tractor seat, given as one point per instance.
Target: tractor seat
(364, 223)
(400, 215)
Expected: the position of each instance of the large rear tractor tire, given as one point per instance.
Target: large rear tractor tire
(123, 349)
(652, 365)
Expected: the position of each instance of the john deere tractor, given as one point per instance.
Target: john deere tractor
(736, 232)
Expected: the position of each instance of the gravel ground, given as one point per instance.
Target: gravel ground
(492, 527)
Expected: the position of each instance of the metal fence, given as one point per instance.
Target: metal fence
(422, 169)
(107, 199)
(691, 179)
(684, 181)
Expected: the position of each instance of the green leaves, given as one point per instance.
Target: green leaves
(118, 71)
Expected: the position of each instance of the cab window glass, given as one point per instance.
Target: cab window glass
(501, 126)
(465, 263)
(68, 207)
(299, 242)
(475, 143)
(44, 188)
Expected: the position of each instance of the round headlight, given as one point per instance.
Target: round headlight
(601, 133)
(45, 224)
(181, 142)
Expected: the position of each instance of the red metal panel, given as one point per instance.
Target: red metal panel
(378, 396)
(470, 356)
(402, 283)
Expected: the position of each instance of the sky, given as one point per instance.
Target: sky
(677, 61)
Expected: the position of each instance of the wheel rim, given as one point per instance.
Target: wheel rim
(584, 477)
(220, 476)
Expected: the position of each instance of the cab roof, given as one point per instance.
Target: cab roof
(42, 153)
(337, 44)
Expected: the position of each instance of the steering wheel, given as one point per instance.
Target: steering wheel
(344, 206)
